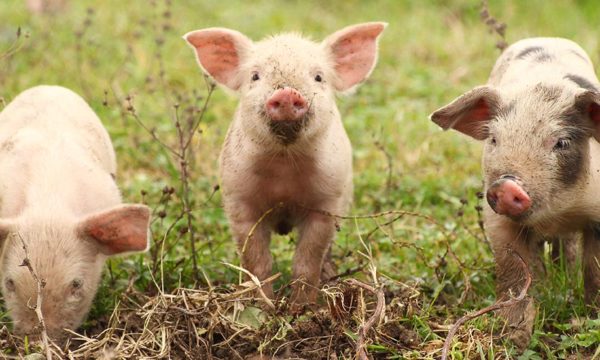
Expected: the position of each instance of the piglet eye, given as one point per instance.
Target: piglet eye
(493, 140)
(318, 78)
(77, 283)
(255, 76)
(562, 144)
(10, 285)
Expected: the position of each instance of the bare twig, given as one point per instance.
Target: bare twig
(496, 306)
(256, 282)
(41, 283)
(15, 46)
(495, 26)
(361, 353)
(390, 165)
(258, 222)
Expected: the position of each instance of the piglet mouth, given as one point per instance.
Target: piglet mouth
(286, 131)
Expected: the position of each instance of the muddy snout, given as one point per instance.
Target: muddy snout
(286, 110)
(286, 104)
(507, 197)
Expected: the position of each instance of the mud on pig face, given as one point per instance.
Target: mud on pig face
(287, 83)
(536, 145)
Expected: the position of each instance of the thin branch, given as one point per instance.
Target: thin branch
(258, 222)
(376, 317)
(41, 283)
(211, 89)
(256, 282)
(152, 132)
(496, 306)
(495, 26)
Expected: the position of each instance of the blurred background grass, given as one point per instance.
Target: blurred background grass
(431, 52)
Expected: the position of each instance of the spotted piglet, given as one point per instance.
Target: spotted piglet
(59, 208)
(286, 153)
(539, 118)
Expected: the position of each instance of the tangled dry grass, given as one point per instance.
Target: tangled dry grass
(228, 323)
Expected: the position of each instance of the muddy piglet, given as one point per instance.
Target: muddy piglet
(286, 152)
(539, 118)
(59, 207)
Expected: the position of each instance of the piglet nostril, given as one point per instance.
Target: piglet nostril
(492, 198)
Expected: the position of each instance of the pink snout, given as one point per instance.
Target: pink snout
(506, 197)
(286, 104)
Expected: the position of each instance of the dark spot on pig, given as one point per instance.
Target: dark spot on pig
(283, 227)
(571, 165)
(529, 50)
(581, 82)
(7, 146)
(543, 57)
(113, 176)
(574, 160)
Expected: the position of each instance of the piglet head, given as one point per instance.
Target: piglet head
(536, 146)
(68, 257)
(287, 83)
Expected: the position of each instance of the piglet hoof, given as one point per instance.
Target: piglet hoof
(521, 330)
(520, 338)
(303, 296)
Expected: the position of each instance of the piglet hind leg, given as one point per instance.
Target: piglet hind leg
(316, 235)
(591, 266)
(253, 246)
(511, 244)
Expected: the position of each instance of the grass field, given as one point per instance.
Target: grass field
(127, 59)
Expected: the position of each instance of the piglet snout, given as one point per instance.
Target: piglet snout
(506, 197)
(286, 104)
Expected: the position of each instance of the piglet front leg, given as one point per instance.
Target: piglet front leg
(316, 235)
(254, 249)
(509, 242)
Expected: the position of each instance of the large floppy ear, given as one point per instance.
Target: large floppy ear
(354, 52)
(122, 229)
(219, 52)
(588, 103)
(469, 113)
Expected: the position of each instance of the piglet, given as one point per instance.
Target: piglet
(539, 119)
(286, 153)
(59, 207)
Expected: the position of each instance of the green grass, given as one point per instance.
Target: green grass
(431, 52)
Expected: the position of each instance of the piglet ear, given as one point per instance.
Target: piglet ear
(588, 103)
(354, 52)
(219, 52)
(469, 113)
(121, 229)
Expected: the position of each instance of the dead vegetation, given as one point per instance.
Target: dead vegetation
(226, 323)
